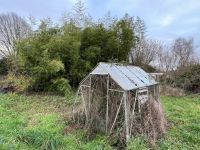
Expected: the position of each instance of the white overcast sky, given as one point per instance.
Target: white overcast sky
(165, 19)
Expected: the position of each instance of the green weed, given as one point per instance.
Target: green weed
(37, 122)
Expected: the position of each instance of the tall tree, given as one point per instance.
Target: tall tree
(125, 37)
(183, 49)
(80, 16)
(104, 44)
(13, 28)
(145, 52)
(166, 60)
(108, 20)
(45, 24)
(139, 29)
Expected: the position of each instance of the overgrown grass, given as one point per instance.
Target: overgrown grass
(39, 122)
(183, 114)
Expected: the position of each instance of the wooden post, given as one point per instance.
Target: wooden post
(126, 116)
(107, 99)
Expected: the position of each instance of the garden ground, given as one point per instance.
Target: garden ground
(41, 122)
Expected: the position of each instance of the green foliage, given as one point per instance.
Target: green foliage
(3, 67)
(69, 52)
(41, 140)
(44, 58)
(99, 43)
(92, 54)
(62, 86)
(6, 144)
(16, 83)
(72, 49)
(125, 34)
(100, 143)
(137, 143)
(36, 122)
(66, 48)
(188, 78)
(46, 68)
(184, 132)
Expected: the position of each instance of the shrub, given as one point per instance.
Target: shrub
(189, 78)
(47, 56)
(62, 86)
(3, 67)
(15, 83)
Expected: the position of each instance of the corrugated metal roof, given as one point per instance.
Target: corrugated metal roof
(126, 76)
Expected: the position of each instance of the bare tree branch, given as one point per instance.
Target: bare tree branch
(145, 52)
(12, 29)
(183, 49)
